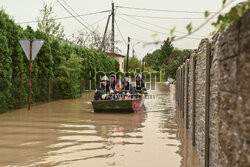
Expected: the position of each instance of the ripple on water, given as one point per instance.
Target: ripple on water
(67, 133)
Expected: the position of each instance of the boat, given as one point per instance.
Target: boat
(127, 106)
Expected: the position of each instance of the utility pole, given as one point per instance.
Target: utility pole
(113, 29)
(102, 48)
(142, 65)
(127, 56)
(133, 53)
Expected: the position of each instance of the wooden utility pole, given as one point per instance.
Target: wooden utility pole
(113, 29)
(127, 56)
(102, 48)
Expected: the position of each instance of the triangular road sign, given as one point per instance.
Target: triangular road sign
(36, 46)
(26, 47)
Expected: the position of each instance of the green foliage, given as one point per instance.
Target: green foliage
(157, 59)
(6, 72)
(224, 2)
(69, 73)
(189, 28)
(133, 64)
(58, 67)
(48, 24)
(172, 36)
(168, 58)
(234, 15)
(206, 14)
(154, 60)
(176, 59)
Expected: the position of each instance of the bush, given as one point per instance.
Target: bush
(58, 62)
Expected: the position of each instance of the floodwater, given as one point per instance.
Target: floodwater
(69, 133)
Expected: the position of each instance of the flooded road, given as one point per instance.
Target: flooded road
(69, 133)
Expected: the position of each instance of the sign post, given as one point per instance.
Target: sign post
(31, 48)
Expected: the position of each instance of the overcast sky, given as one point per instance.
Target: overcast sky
(28, 10)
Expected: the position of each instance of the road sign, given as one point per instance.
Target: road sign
(31, 48)
(34, 45)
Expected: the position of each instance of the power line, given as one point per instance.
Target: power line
(91, 25)
(76, 13)
(74, 16)
(160, 10)
(170, 18)
(139, 40)
(120, 33)
(203, 24)
(159, 26)
(68, 17)
(151, 29)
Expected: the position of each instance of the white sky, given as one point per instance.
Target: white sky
(28, 10)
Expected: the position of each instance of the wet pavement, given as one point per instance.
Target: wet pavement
(69, 133)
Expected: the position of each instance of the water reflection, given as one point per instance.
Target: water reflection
(69, 133)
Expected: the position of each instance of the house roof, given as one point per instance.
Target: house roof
(114, 54)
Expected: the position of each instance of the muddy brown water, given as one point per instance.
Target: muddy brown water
(69, 133)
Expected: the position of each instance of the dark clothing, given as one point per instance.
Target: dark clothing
(101, 91)
(112, 85)
(128, 89)
(140, 87)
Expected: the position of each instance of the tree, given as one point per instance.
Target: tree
(93, 40)
(133, 64)
(48, 24)
(5, 73)
(166, 49)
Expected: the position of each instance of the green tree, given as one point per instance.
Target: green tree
(48, 24)
(5, 73)
(133, 64)
(68, 80)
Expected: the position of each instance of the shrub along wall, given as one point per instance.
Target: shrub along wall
(56, 72)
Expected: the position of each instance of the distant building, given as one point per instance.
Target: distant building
(119, 58)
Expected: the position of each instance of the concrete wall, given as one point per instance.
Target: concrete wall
(213, 95)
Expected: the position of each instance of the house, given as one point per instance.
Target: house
(119, 58)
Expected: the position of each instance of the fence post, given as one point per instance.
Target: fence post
(186, 97)
(177, 85)
(193, 99)
(207, 98)
(183, 88)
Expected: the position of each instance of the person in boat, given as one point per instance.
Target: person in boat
(140, 86)
(118, 87)
(127, 87)
(102, 92)
(112, 82)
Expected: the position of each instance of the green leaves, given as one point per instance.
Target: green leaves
(189, 28)
(224, 2)
(48, 24)
(234, 15)
(64, 64)
(206, 14)
(172, 36)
